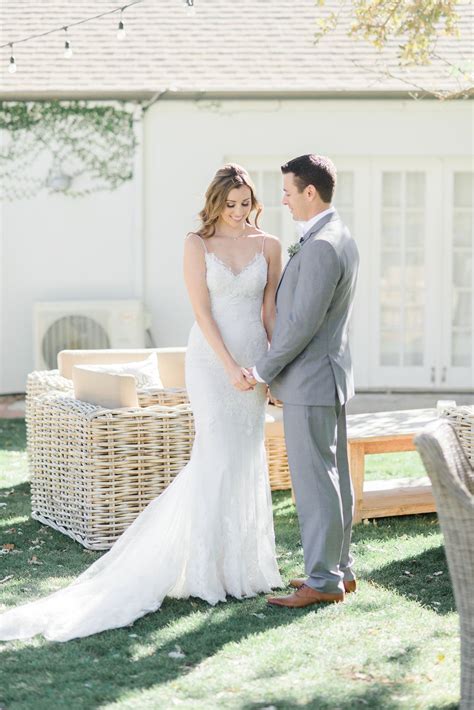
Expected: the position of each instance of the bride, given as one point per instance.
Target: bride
(210, 533)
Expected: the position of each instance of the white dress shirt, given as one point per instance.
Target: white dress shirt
(302, 228)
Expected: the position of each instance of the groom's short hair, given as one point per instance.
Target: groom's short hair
(314, 170)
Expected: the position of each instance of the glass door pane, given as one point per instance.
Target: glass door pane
(344, 198)
(461, 313)
(270, 194)
(402, 270)
(457, 370)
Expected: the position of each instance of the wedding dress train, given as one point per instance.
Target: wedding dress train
(210, 533)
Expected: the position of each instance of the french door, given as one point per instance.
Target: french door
(456, 346)
(421, 315)
(412, 219)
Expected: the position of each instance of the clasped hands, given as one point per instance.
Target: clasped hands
(241, 377)
(246, 381)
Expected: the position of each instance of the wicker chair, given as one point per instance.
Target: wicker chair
(462, 419)
(452, 478)
(93, 470)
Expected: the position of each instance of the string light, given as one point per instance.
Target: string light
(12, 67)
(12, 64)
(67, 46)
(121, 34)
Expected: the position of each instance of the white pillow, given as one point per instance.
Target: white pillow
(104, 389)
(145, 371)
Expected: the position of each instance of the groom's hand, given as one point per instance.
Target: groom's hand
(238, 379)
(273, 400)
(249, 376)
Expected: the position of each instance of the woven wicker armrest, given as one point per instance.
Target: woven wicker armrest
(42, 381)
(168, 397)
(462, 419)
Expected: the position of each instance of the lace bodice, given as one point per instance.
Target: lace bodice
(236, 302)
(227, 287)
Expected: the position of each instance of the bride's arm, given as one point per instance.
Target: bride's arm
(195, 280)
(272, 253)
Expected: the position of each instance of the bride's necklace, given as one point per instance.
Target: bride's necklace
(234, 239)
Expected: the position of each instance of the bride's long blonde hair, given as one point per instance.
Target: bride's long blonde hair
(226, 178)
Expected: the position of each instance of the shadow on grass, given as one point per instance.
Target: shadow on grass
(101, 669)
(104, 667)
(13, 434)
(423, 578)
(376, 696)
(381, 528)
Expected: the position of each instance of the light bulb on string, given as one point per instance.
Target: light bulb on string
(121, 34)
(67, 46)
(12, 64)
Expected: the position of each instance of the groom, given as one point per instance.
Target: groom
(308, 368)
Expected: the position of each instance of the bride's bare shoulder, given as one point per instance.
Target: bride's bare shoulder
(194, 244)
(259, 233)
(271, 243)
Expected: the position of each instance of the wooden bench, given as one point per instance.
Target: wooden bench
(380, 433)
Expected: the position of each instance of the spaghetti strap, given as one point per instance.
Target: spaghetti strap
(201, 239)
(263, 242)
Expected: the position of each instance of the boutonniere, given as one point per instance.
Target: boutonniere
(294, 248)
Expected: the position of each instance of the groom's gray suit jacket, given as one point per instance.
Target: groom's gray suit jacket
(309, 358)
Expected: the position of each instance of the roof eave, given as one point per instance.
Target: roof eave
(176, 95)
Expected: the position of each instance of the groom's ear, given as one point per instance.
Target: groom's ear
(311, 191)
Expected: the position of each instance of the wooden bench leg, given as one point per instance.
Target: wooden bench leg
(357, 468)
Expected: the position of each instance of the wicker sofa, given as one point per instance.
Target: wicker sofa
(94, 469)
(171, 368)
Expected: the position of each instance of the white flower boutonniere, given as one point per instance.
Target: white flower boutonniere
(294, 248)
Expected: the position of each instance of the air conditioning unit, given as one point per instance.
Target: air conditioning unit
(71, 325)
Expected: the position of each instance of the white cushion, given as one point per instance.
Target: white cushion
(145, 371)
(104, 389)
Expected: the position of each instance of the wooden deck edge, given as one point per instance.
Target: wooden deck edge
(397, 501)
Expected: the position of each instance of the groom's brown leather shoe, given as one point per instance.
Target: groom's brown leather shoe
(349, 586)
(305, 596)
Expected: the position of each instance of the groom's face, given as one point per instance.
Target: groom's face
(296, 201)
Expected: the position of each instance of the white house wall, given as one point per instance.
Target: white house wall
(185, 142)
(56, 248)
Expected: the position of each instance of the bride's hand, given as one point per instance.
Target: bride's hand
(237, 378)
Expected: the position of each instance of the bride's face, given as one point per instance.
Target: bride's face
(237, 207)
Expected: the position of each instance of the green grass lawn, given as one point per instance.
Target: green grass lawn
(392, 645)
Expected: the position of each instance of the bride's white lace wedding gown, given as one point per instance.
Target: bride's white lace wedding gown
(210, 534)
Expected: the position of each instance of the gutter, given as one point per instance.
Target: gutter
(185, 95)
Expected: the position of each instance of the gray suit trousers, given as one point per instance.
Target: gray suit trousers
(316, 442)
